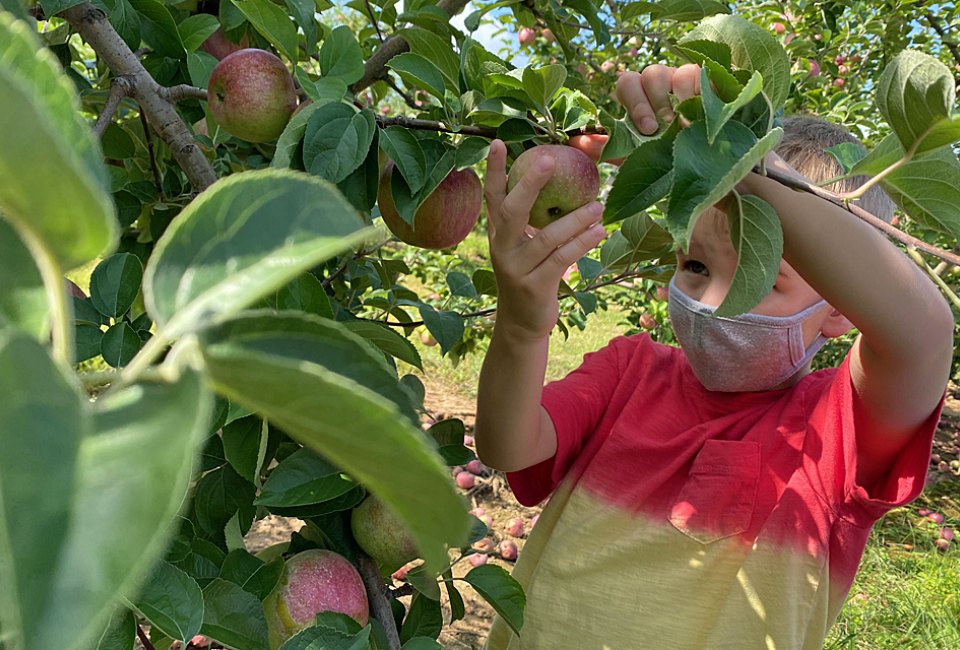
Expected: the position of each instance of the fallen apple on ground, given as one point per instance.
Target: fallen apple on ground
(575, 181)
(444, 219)
(251, 95)
(313, 581)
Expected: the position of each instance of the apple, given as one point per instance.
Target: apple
(444, 219)
(516, 527)
(575, 181)
(477, 512)
(508, 550)
(475, 467)
(313, 581)
(477, 559)
(608, 65)
(839, 59)
(382, 535)
(839, 82)
(935, 517)
(526, 36)
(468, 440)
(427, 339)
(633, 52)
(465, 480)
(251, 95)
(220, 46)
(947, 534)
(484, 545)
(662, 292)
(779, 28)
(814, 68)
(842, 69)
(647, 321)
(942, 545)
(548, 35)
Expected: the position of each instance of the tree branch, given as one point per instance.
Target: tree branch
(120, 88)
(375, 67)
(378, 599)
(373, 19)
(938, 28)
(433, 125)
(93, 26)
(182, 92)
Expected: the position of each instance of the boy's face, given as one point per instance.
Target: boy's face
(706, 271)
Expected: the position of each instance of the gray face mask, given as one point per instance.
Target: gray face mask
(742, 353)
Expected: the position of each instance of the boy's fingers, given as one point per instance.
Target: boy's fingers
(686, 81)
(632, 97)
(657, 83)
(558, 233)
(556, 262)
(515, 208)
(495, 182)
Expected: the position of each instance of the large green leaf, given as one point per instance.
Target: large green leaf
(644, 178)
(158, 28)
(273, 23)
(687, 10)
(419, 72)
(359, 430)
(928, 190)
(337, 140)
(172, 601)
(718, 110)
(340, 56)
(404, 149)
(705, 174)
(23, 303)
(243, 238)
(758, 238)
(436, 49)
(303, 478)
(751, 48)
(502, 591)
(233, 617)
(43, 425)
(47, 144)
(916, 95)
(132, 478)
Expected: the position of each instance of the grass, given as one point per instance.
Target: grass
(907, 593)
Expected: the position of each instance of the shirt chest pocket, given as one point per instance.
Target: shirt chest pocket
(717, 499)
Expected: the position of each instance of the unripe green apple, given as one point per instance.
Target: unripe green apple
(575, 181)
(444, 219)
(313, 581)
(251, 95)
(381, 535)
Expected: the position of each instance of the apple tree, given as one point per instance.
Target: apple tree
(228, 172)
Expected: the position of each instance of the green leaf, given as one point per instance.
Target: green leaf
(194, 30)
(251, 573)
(684, 11)
(601, 33)
(172, 601)
(503, 592)
(445, 326)
(219, 496)
(700, 51)
(131, 479)
(418, 72)
(471, 150)
(125, 19)
(43, 425)
(241, 239)
(703, 175)
(119, 633)
(916, 95)
(751, 48)
(337, 140)
(119, 344)
(717, 111)
(48, 144)
(303, 479)
(421, 643)
(244, 443)
(847, 155)
(292, 136)
(388, 340)
(117, 143)
(645, 177)
(457, 607)
(542, 83)
(356, 428)
(87, 339)
(425, 618)
(298, 336)
(303, 13)
(461, 285)
(115, 283)
(340, 56)
(758, 238)
(886, 153)
(23, 302)
(158, 28)
(200, 65)
(437, 50)
(327, 638)
(405, 151)
(233, 617)
(485, 282)
(928, 189)
(273, 23)
(440, 161)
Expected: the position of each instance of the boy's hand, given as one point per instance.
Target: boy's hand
(528, 266)
(646, 94)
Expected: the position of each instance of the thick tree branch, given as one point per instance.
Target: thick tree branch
(93, 26)
(379, 604)
(120, 88)
(375, 67)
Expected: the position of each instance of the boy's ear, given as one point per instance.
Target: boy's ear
(836, 324)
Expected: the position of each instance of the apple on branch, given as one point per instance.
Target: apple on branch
(382, 535)
(251, 95)
(444, 219)
(220, 46)
(575, 181)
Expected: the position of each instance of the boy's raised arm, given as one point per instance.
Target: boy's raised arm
(512, 430)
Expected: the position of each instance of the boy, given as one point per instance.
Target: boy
(718, 496)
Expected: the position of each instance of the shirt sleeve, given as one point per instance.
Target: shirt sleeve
(575, 404)
(833, 450)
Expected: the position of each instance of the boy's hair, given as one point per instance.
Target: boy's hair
(805, 141)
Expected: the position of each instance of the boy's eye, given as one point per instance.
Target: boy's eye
(694, 266)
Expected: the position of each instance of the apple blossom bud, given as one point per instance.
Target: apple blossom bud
(477, 560)
(465, 480)
(508, 550)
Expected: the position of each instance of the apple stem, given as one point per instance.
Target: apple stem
(379, 606)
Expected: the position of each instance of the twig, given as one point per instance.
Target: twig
(378, 600)
(93, 26)
(153, 159)
(408, 100)
(181, 92)
(144, 639)
(373, 19)
(401, 591)
(375, 67)
(120, 88)
(915, 256)
(433, 125)
(938, 28)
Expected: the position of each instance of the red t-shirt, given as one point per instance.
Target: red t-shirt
(684, 518)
